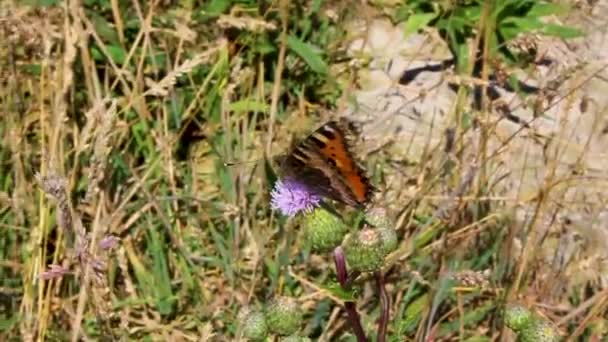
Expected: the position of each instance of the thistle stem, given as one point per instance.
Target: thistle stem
(385, 303)
(349, 307)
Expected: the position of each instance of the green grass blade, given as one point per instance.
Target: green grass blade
(309, 53)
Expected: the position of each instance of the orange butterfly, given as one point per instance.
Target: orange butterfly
(323, 163)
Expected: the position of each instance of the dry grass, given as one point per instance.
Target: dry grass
(121, 219)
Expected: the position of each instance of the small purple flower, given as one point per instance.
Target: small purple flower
(108, 242)
(54, 271)
(290, 197)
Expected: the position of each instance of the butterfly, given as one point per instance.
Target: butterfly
(324, 163)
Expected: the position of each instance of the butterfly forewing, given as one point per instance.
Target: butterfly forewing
(324, 163)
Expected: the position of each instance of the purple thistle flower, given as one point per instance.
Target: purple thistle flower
(290, 197)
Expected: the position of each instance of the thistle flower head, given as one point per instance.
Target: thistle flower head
(284, 316)
(378, 217)
(296, 338)
(517, 317)
(389, 239)
(253, 324)
(290, 197)
(539, 331)
(323, 230)
(529, 326)
(363, 250)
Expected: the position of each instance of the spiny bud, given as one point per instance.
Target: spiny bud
(323, 230)
(539, 331)
(378, 217)
(598, 327)
(517, 317)
(284, 316)
(296, 338)
(253, 323)
(529, 327)
(363, 250)
(389, 240)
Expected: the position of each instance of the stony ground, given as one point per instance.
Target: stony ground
(564, 143)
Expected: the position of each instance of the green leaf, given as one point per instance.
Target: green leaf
(263, 46)
(413, 314)
(466, 121)
(32, 68)
(470, 319)
(144, 280)
(103, 28)
(561, 31)
(468, 16)
(508, 32)
(417, 21)
(528, 24)
(478, 339)
(401, 13)
(513, 81)
(462, 51)
(472, 14)
(248, 106)
(163, 293)
(306, 26)
(342, 293)
(427, 235)
(544, 9)
(216, 7)
(115, 52)
(8, 323)
(316, 6)
(309, 53)
(40, 3)
(226, 183)
(157, 59)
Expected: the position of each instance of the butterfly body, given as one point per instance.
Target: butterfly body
(324, 163)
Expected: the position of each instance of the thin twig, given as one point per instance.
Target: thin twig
(276, 90)
(385, 303)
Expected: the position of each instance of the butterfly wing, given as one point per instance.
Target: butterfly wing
(316, 175)
(323, 162)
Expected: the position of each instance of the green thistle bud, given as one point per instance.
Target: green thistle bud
(389, 240)
(296, 338)
(517, 317)
(599, 327)
(323, 230)
(284, 316)
(378, 217)
(363, 250)
(253, 324)
(538, 330)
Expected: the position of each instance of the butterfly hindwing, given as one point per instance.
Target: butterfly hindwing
(316, 179)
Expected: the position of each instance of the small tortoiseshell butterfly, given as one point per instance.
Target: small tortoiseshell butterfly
(324, 163)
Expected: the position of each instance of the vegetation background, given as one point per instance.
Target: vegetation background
(137, 139)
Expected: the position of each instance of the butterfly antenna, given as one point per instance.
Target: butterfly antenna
(233, 163)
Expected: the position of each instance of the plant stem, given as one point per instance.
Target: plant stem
(385, 303)
(349, 307)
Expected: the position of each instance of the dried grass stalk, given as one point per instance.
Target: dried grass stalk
(163, 87)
